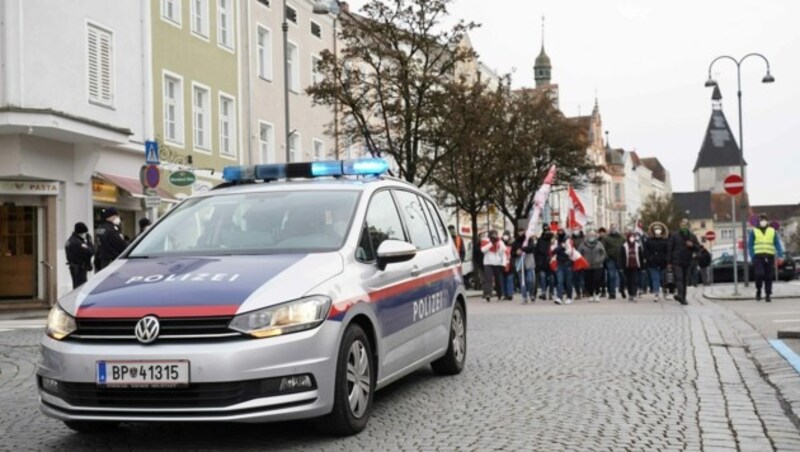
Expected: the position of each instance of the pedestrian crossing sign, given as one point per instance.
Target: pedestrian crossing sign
(151, 156)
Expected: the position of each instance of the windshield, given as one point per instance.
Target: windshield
(253, 223)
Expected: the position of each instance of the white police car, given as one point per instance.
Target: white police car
(262, 301)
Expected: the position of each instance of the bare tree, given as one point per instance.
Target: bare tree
(660, 208)
(389, 79)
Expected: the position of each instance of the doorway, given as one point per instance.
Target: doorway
(18, 242)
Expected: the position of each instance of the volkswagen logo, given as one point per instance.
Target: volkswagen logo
(147, 329)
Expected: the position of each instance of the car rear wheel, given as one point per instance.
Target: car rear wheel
(91, 427)
(355, 384)
(453, 361)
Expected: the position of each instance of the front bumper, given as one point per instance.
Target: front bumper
(212, 364)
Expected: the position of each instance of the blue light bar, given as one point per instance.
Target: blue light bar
(329, 168)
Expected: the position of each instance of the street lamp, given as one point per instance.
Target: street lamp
(318, 9)
(768, 78)
(332, 7)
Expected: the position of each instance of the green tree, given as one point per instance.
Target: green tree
(389, 80)
(660, 208)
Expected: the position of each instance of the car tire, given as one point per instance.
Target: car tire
(453, 360)
(355, 378)
(91, 427)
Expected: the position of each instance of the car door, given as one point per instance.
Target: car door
(386, 288)
(429, 290)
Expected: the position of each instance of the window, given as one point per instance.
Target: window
(617, 193)
(294, 70)
(316, 74)
(414, 214)
(171, 11)
(319, 149)
(294, 147)
(200, 17)
(173, 109)
(201, 113)
(382, 223)
(99, 62)
(316, 29)
(264, 51)
(225, 23)
(436, 221)
(227, 126)
(266, 142)
(291, 14)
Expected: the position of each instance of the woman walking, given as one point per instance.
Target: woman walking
(494, 253)
(562, 252)
(655, 251)
(595, 254)
(631, 258)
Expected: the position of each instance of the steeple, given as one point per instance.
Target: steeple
(542, 66)
(719, 149)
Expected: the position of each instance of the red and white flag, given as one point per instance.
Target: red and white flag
(539, 201)
(639, 229)
(577, 212)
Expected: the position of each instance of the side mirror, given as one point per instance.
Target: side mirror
(394, 251)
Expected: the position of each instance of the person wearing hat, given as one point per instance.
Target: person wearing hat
(763, 244)
(144, 223)
(79, 250)
(110, 241)
(681, 246)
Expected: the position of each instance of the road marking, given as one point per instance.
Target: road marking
(787, 353)
(776, 313)
(786, 321)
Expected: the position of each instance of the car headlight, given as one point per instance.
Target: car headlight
(297, 315)
(60, 324)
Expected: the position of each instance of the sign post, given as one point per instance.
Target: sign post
(734, 185)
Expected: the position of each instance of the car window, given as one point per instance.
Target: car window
(382, 223)
(414, 214)
(253, 223)
(436, 221)
(437, 240)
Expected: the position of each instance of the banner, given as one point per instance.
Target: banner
(577, 212)
(539, 201)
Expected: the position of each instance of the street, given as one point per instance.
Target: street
(608, 376)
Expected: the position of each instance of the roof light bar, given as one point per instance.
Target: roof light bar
(334, 168)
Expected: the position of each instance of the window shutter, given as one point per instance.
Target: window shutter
(93, 66)
(99, 66)
(106, 87)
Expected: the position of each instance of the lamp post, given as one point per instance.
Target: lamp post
(768, 78)
(332, 7)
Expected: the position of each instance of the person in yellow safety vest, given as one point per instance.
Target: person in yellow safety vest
(764, 245)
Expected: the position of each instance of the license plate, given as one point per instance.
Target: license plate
(143, 373)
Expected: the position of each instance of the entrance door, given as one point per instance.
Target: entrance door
(17, 252)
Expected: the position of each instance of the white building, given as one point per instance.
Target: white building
(73, 102)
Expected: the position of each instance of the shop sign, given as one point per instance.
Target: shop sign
(28, 187)
(182, 178)
(104, 192)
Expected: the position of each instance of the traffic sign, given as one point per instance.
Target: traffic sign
(734, 184)
(150, 176)
(711, 236)
(182, 178)
(151, 202)
(151, 154)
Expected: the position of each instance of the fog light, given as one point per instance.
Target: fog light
(49, 385)
(296, 382)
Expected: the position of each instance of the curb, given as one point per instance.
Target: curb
(788, 334)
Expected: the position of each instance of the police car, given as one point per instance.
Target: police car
(290, 291)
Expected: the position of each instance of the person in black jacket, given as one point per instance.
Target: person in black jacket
(655, 251)
(704, 261)
(681, 246)
(79, 250)
(110, 241)
(631, 261)
(541, 257)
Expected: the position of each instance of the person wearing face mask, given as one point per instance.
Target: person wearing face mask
(110, 241)
(541, 255)
(613, 243)
(681, 246)
(655, 252)
(494, 252)
(79, 250)
(562, 250)
(595, 254)
(631, 260)
(763, 244)
(508, 268)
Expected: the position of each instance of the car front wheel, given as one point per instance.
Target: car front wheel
(355, 384)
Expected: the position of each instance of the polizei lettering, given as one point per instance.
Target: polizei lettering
(188, 277)
(428, 306)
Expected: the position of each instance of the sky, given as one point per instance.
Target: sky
(648, 60)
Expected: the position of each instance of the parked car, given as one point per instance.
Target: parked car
(722, 268)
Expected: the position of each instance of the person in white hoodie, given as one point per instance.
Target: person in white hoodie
(494, 259)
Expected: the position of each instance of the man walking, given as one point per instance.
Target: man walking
(681, 246)
(655, 251)
(613, 244)
(79, 250)
(763, 244)
(494, 251)
(541, 255)
(110, 241)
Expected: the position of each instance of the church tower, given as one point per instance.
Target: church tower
(719, 155)
(542, 66)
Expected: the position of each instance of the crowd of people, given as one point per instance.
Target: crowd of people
(655, 263)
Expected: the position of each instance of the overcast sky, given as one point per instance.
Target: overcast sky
(648, 61)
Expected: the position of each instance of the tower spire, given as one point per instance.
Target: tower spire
(542, 66)
(542, 32)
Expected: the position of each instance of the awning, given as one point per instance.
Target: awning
(134, 186)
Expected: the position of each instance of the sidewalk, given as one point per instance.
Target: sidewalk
(722, 292)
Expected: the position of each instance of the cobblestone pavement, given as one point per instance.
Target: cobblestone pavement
(607, 376)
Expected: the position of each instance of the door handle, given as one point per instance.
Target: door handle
(415, 271)
(447, 262)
